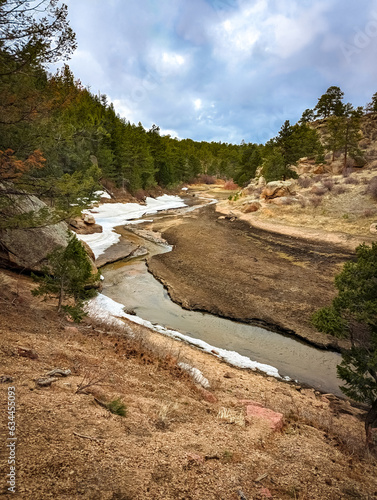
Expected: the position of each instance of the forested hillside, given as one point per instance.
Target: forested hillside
(59, 141)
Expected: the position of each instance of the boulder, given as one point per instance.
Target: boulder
(27, 249)
(253, 206)
(276, 189)
(373, 228)
(250, 188)
(89, 219)
(81, 226)
(283, 200)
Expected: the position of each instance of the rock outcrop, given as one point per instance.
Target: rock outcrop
(277, 189)
(86, 224)
(27, 249)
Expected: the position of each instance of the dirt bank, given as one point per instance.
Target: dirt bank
(231, 269)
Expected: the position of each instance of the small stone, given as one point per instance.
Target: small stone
(266, 493)
(72, 330)
(373, 228)
(193, 457)
(208, 396)
(25, 352)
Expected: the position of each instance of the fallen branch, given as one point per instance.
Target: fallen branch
(87, 437)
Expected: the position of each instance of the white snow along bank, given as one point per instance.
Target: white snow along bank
(106, 309)
(111, 215)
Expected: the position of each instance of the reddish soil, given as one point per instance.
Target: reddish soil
(176, 441)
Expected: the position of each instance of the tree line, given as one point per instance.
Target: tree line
(58, 139)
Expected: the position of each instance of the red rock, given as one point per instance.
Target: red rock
(274, 419)
(208, 396)
(265, 492)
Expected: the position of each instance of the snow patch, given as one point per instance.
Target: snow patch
(195, 374)
(111, 215)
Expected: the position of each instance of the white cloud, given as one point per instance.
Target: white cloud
(282, 30)
(198, 104)
(170, 132)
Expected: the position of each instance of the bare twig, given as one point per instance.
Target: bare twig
(97, 440)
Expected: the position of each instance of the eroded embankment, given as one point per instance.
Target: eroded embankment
(236, 271)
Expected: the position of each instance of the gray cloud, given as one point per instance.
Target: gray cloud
(224, 69)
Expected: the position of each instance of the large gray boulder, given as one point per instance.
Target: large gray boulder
(27, 249)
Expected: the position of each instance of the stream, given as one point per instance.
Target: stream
(130, 283)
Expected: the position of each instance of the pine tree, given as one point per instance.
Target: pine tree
(68, 275)
(353, 315)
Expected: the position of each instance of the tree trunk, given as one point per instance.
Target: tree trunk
(61, 296)
(371, 428)
(346, 146)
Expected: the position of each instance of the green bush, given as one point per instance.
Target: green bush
(117, 407)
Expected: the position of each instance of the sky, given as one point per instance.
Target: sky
(223, 70)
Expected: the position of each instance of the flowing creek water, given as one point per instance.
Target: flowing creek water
(132, 285)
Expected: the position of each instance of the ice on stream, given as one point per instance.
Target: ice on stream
(111, 215)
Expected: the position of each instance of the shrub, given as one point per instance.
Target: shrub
(351, 180)
(117, 407)
(302, 201)
(319, 190)
(370, 212)
(305, 182)
(372, 188)
(207, 179)
(347, 171)
(339, 190)
(230, 185)
(315, 201)
(68, 275)
(328, 184)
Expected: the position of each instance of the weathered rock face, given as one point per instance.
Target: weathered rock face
(27, 249)
(252, 206)
(276, 189)
(85, 225)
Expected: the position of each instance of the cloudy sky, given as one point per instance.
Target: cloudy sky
(224, 70)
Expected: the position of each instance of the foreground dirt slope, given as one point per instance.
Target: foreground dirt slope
(234, 270)
(177, 441)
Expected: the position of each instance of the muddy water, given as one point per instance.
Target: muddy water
(131, 284)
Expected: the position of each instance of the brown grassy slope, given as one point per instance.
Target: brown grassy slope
(173, 443)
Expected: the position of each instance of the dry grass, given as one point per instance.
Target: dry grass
(172, 443)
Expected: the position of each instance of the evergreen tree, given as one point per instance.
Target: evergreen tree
(343, 134)
(68, 275)
(330, 103)
(372, 106)
(353, 315)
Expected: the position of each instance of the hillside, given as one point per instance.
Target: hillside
(177, 439)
